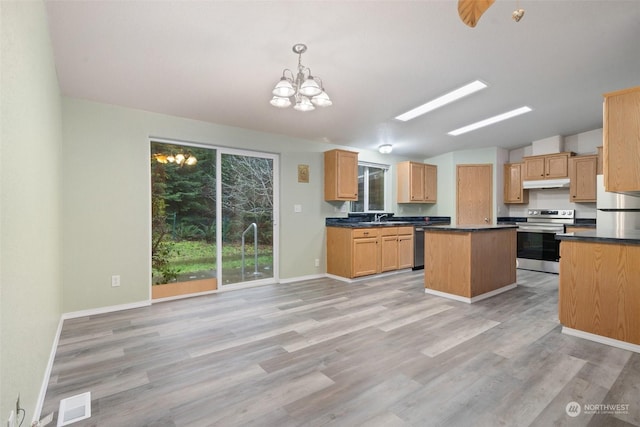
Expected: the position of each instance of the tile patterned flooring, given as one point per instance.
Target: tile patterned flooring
(379, 352)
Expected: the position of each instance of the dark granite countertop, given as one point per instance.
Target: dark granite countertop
(365, 222)
(628, 237)
(510, 219)
(468, 228)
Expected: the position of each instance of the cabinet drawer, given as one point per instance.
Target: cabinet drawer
(364, 232)
(388, 231)
(405, 230)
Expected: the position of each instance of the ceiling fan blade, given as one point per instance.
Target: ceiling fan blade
(470, 11)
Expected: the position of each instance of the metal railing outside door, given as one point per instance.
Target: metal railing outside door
(255, 248)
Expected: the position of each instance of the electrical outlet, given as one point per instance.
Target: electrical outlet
(115, 281)
(317, 262)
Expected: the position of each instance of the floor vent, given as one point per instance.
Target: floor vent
(74, 408)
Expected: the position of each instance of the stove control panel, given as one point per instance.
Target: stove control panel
(551, 213)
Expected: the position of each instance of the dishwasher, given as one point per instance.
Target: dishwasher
(418, 248)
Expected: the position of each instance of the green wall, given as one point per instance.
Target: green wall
(30, 263)
(106, 202)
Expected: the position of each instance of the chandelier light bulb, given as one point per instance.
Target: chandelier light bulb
(304, 104)
(322, 100)
(284, 88)
(310, 88)
(280, 102)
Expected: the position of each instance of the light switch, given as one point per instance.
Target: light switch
(297, 208)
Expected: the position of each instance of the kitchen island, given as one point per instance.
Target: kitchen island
(469, 262)
(599, 292)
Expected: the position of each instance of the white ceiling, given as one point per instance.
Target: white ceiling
(218, 61)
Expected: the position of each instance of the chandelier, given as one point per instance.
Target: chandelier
(179, 159)
(302, 89)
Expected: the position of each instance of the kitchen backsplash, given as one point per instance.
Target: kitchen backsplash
(553, 198)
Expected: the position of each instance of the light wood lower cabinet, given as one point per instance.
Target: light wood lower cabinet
(405, 248)
(364, 251)
(598, 291)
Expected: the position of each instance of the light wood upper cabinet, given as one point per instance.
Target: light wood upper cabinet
(621, 135)
(582, 173)
(513, 191)
(548, 166)
(340, 175)
(417, 182)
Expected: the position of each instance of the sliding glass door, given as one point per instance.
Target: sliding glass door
(212, 219)
(247, 212)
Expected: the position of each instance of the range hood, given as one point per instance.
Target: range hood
(546, 183)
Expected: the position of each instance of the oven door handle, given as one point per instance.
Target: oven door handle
(533, 229)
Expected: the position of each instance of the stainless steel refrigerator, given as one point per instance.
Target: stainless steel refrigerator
(616, 211)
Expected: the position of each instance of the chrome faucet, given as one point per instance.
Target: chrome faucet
(378, 218)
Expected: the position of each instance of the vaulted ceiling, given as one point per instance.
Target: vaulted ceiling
(218, 61)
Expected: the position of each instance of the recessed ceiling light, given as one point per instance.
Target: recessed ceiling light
(443, 100)
(490, 121)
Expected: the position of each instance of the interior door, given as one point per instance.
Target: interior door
(474, 194)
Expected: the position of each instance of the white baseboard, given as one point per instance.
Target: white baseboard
(47, 373)
(302, 278)
(369, 277)
(473, 299)
(602, 340)
(103, 310)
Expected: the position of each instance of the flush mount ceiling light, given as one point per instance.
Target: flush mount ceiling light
(385, 148)
(302, 90)
(490, 121)
(443, 100)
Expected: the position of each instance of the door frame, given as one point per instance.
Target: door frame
(276, 215)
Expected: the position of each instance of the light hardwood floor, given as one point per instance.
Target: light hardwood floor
(377, 353)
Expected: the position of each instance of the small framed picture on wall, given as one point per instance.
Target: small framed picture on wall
(303, 173)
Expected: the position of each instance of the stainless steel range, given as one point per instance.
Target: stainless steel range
(538, 248)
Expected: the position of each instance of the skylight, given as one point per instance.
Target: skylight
(490, 121)
(443, 100)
